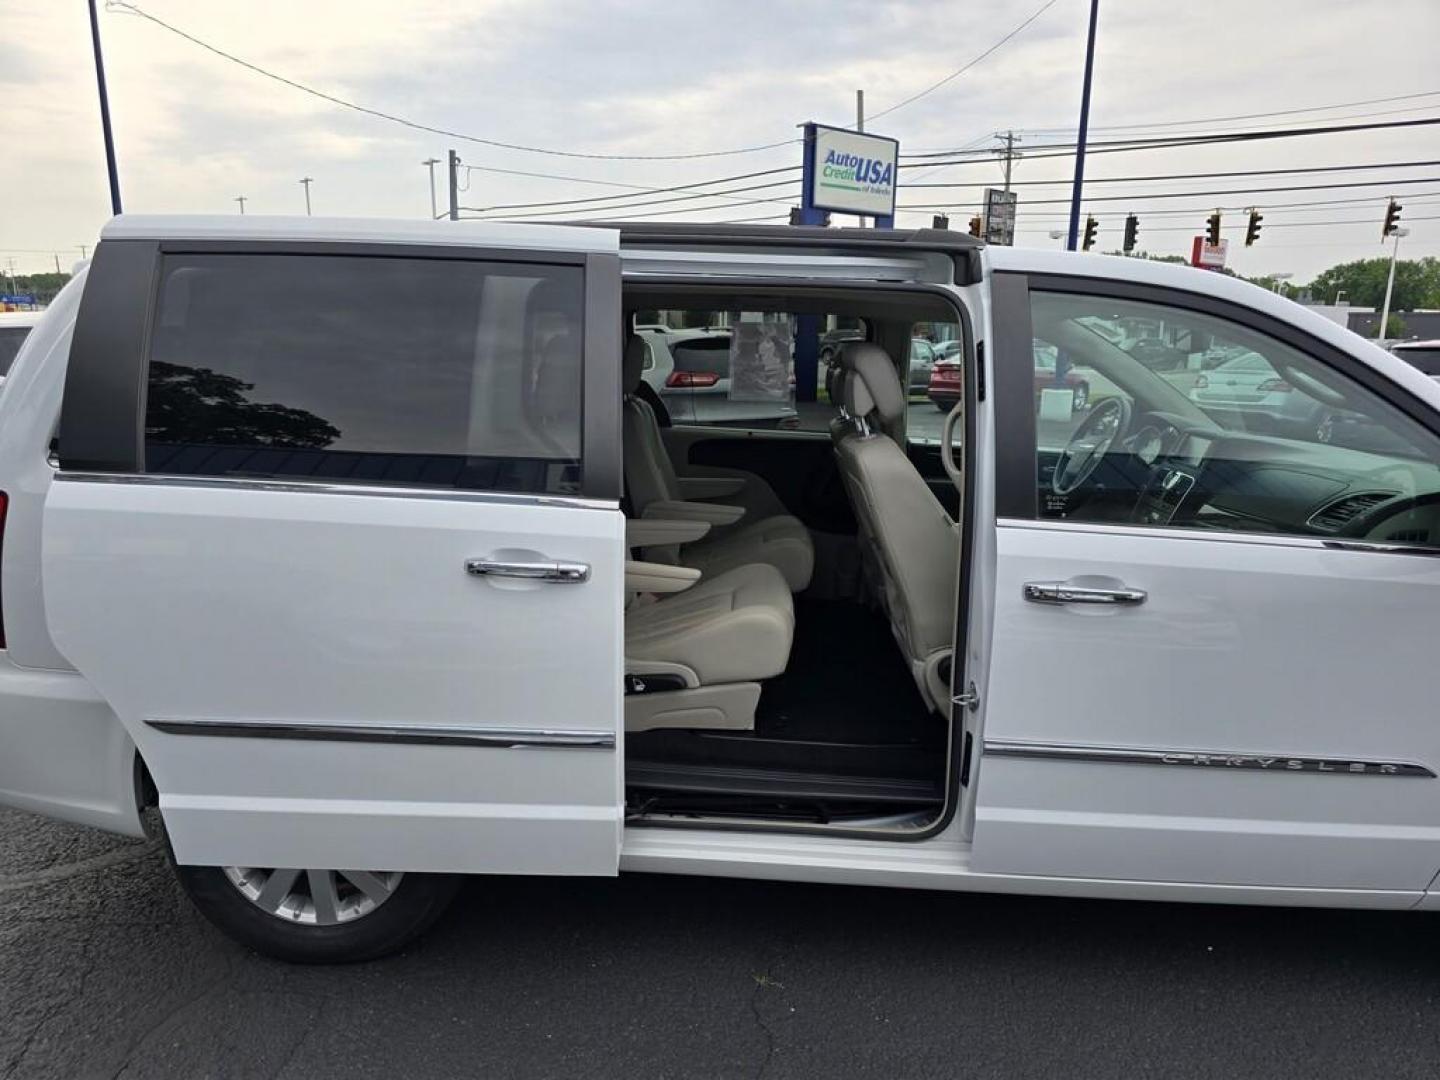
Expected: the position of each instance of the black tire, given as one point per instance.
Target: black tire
(418, 900)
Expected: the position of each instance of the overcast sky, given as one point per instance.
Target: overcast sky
(193, 130)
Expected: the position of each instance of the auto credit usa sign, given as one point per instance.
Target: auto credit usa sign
(853, 173)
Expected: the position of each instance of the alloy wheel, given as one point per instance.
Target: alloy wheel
(314, 897)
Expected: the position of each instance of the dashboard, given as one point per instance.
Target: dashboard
(1168, 470)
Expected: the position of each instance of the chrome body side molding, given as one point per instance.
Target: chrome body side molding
(1131, 755)
(501, 738)
(320, 487)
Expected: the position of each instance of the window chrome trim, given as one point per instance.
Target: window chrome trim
(1216, 759)
(1314, 543)
(318, 487)
(305, 730)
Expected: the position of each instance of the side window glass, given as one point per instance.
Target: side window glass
(934, 379)
(375, 370)
(739, 368)
(1161, 416)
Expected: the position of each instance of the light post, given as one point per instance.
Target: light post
(241, 200)
(1390, 286)
(430, 164)
(1073, 237)
(306, 182)
(1279, 280)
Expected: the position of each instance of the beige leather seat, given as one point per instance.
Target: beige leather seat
(907, 538)
(654, 490)
(695, 659)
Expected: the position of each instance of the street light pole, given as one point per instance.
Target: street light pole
(430, 164)
(307, 181)
(105, 112)
(241, 200)
(1073, 238)
(1389, 287)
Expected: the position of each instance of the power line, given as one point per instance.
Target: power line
(1165, 142)
(1194, 194)
(122, 5)
(1197, 176)
(1268, 225)
(659, 191)
(1305, 207)
(965, 67)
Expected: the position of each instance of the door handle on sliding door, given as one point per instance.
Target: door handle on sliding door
(558, 571)
(1059, 592)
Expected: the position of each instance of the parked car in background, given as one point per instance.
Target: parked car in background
(922, 361)
(1424, 355)
(1247, 389)
(14, 329)
(690, 370)
(946, 384)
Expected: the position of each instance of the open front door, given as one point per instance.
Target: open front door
(355, 586)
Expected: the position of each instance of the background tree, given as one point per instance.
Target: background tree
(1417, 283)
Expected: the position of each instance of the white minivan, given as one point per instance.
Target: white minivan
(358, 555)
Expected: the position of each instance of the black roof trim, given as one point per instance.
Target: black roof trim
(656, 232)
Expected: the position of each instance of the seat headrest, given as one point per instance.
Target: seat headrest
(871, 385)
(633, 368)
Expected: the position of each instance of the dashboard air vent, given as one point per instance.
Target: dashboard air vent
(1336, 515)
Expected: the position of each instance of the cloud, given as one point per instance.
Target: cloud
(672, 76)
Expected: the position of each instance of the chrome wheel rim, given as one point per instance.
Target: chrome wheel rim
(314, 897)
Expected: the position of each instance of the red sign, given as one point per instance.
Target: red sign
(1208, 256)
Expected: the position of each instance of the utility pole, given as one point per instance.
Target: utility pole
(454, 159)
(105, 112)
(1390, 285)
(1084, 131)
(57, 262)
(84, 254)
(241, 200)
(860, 126)
(1010, 140)
(430, 164)
(307, 181)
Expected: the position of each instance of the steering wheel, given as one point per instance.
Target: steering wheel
(1089, 444)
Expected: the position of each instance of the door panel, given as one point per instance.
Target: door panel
(1261, 686)
(314, 679)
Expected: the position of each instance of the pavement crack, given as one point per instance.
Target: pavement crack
(70, 996)
(763, 983)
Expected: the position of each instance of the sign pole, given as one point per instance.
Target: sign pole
(105, 112)
(1074, 236)
(809, 213)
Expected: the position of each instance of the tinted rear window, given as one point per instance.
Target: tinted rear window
(367, 369)
(703, 354)
(11, 338)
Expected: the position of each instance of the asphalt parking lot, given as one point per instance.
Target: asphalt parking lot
(105, 971)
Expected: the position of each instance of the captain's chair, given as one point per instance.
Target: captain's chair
(911, 546)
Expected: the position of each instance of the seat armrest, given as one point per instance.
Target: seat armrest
(710, 487)
(662, 532)
(649, 577)
(712, 513)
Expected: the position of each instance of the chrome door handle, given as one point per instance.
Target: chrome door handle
(563, 573)
(1057, 592)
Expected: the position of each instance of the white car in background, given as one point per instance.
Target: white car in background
(1424, 355)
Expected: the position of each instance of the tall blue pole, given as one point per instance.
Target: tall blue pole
(105, 112)
(1074, 239)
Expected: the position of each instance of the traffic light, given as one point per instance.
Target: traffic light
(1392, 219)
(976, 226)
(1252, 231)
(941, 221)
(1212, 228)
(1132, 229)
(1090, 226)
